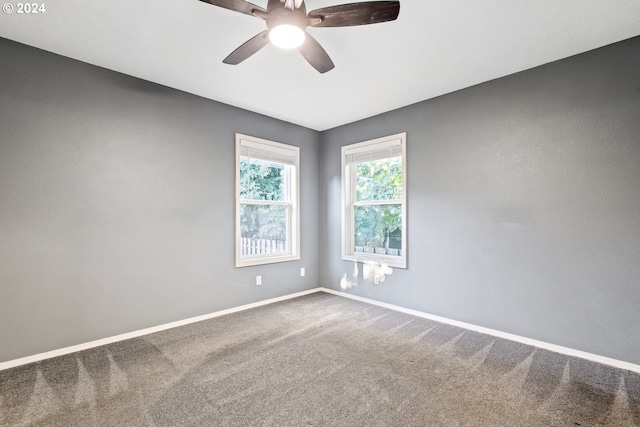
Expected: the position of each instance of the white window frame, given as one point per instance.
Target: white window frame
(362, 150)
(277, 152)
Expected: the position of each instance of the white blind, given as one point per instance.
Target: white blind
(270, 153)
(383, 150)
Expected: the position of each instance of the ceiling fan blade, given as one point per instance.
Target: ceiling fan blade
(236, 5)
(346, 15)
(249, 47)
(316, 55)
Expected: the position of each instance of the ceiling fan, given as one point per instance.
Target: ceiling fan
(287, 21)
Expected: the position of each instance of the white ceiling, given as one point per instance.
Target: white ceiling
(435, 47)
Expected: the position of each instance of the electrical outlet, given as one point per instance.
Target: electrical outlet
(302, 272)
(258, 280)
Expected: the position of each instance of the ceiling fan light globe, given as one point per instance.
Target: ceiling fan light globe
(286, 36)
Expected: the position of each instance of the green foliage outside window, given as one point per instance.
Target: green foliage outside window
(379, 225)
(379, 180)
(261, 180)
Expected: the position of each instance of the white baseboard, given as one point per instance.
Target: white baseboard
(512, 337)
(540, 344)
(141, 332)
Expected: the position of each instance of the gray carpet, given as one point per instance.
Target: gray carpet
(313, 361)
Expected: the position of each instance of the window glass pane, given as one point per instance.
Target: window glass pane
(378, 229)
(379, 179)
(263, 229)
(261, 180)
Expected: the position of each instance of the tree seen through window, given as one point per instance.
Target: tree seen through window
(262, 181)
(377, 216)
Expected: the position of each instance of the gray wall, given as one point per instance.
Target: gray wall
(524, 203)
(117, 204)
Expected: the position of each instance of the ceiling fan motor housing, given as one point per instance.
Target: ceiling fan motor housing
(284, 16)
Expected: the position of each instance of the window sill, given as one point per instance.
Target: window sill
(266, 260)
(390, 260)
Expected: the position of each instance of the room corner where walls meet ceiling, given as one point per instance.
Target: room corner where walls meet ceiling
(435, 47)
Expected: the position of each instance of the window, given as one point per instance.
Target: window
(267, 213)
(374, 221)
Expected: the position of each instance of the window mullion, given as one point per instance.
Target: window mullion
(378, 202)
(265, 202)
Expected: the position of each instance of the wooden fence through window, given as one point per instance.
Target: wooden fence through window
(251, 246)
